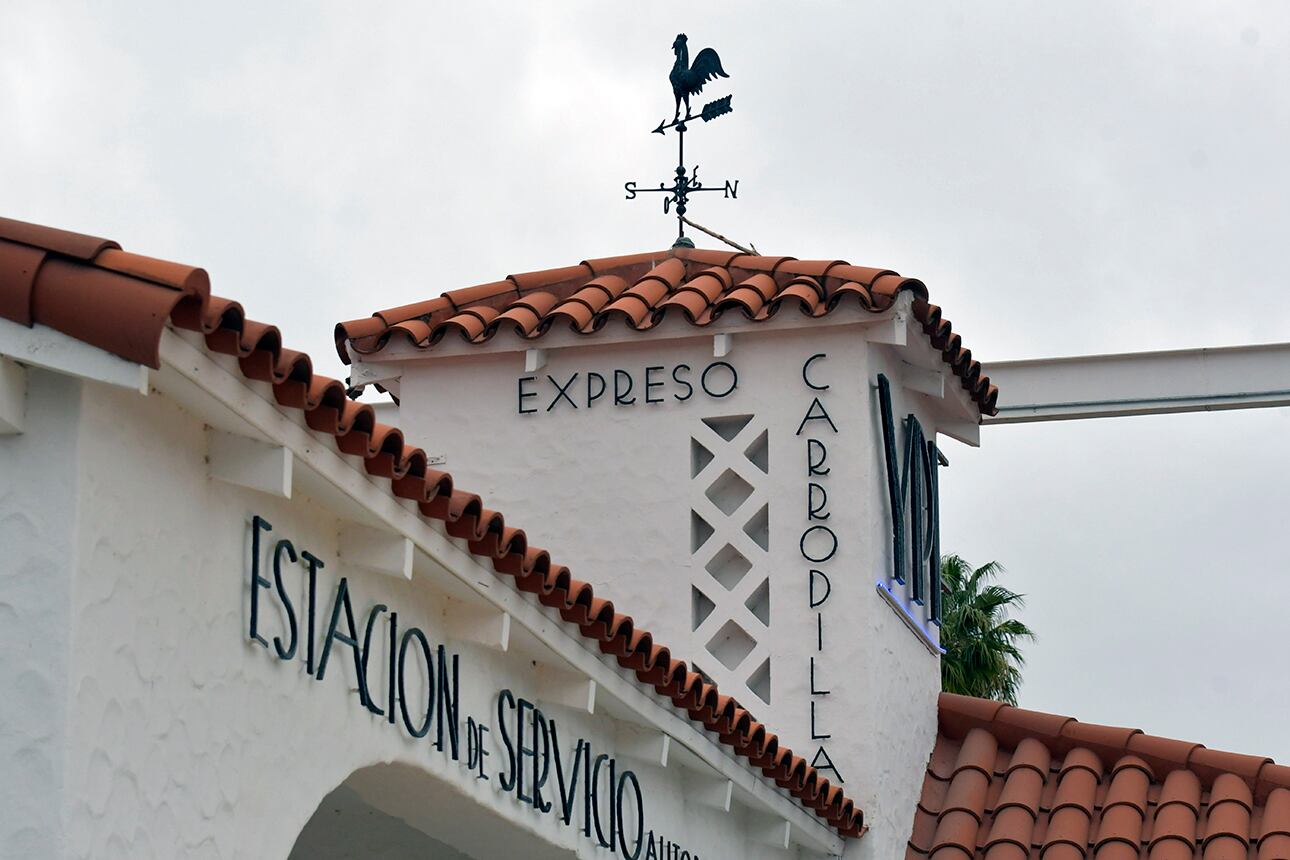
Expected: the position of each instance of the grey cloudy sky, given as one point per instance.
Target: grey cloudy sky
(1067, 177)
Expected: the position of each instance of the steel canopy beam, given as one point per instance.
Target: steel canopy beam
(1141, 383)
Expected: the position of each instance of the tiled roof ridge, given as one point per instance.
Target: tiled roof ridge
(640, 290)
(1006, 782)
(90, 289)
(1060, 734)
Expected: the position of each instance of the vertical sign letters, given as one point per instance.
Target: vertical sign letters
(818, 543)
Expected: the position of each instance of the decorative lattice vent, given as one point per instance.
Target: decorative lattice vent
(729, 540)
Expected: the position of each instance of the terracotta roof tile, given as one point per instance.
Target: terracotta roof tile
(89, 289)
(697, 284)
(1065, 790)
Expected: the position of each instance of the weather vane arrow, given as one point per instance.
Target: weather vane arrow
(688, 79)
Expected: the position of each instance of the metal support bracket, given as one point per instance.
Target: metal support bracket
(564, 689)
(249, 463)
(376, 550)
(642, 745)
(478, 623)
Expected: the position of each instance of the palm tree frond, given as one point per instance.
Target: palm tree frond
(980, 638)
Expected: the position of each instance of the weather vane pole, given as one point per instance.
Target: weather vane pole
(688, 80)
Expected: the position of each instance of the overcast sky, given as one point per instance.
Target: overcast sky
(1067, 178)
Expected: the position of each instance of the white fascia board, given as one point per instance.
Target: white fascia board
(194, 377)
(44, 347)
(1143, 383)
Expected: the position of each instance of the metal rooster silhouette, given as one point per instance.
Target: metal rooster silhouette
(688, 80)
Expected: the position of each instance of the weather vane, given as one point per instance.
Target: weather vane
(688, 80)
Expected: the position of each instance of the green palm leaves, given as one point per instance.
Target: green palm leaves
(982, 642)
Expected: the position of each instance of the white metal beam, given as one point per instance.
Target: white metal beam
(42, 346)
(1141, 383)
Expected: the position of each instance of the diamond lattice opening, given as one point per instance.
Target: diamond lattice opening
(759, 681)
(701, 607)
(758, 603)
(728, 566)
(700, 531)
(758, 528)
(700, 457)
(731, 645)
(758, 453)
(729, 491)
(728, 426)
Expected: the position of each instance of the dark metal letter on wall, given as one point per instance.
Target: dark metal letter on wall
(913, 488)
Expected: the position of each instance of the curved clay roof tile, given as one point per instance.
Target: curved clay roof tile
(550, 277)
(710, 284)
(691, 302)
(522, 320)
(1010, 835)
(75, 245)
(470, 324)
(806, 281)
(758, 263)
(806, 297)
(415, 332)
(481, 293)
(865, 275)
(575, 313)
(601, 291)
(746, 299)
(603, 265)
(188, 279)
(885, 288)
(851, 290)
(115, 312)
(633, 309)
(810, 268)
(706, 256)
(670, 273)
(420, 310)
(651, 291)
(18, 267)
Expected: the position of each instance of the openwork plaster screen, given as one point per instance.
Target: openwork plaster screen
(729, 542)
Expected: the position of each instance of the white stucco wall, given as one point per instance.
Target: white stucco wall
(609, 490)
(38, 490)
(152, 727)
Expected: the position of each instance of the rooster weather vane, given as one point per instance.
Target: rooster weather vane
(688, 80)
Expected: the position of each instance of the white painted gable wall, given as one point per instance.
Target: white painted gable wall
(140, 722)
(609, 490)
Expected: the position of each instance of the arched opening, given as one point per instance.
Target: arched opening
(396, 811)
